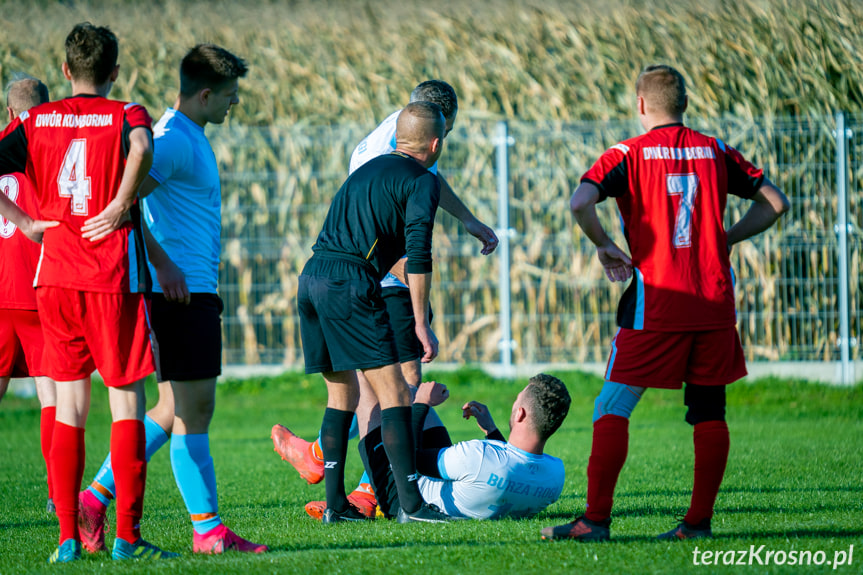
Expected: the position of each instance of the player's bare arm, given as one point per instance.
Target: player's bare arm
(769, 203)
(31, 228)
(431, 393)
(420, 285)
(452, 204)
(482, 415)
(138, 163)
(615, 262)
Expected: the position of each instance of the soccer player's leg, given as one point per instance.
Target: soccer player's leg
(715, 361)
(46, 391)
(94, 500)
(121, 350)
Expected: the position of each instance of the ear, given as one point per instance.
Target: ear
(520, 414)
(642, 107)
(685, 102)
(115, 73)
(66, 73)
(435, 145)
(10, 113)
(204, 96)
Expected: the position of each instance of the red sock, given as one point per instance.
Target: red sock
(607, 456)
(46, 432)
(711, 455)
(130, 474)
(67, 470)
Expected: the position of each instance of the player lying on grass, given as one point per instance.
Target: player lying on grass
(477, 479)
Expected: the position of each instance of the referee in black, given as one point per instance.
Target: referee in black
(383, 211)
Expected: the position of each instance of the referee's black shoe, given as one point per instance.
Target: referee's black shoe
(349, 514)
(427, 513)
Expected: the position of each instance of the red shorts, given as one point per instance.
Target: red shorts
(91, 330)
(20, 343)
(667, 359)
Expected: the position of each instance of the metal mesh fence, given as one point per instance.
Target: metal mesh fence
(277, 185)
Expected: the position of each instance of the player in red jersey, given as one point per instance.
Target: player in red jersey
(86, 156)
(677, 318)
(21, 339)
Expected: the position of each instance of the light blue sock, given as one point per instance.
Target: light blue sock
(155, 437)
(364, 479)
(196, 478)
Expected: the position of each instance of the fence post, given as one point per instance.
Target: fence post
(502, 142)
(842, 229)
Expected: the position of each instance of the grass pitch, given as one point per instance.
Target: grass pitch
(793, 485)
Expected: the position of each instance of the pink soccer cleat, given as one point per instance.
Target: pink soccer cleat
(298, 452)
(91, 522)
(220, 539)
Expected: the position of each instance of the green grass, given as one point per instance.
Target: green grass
(793, 483)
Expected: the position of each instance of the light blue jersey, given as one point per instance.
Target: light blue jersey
(381, 141)
(185, 212)
(487, 479)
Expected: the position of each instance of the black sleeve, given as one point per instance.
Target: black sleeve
(496, 435)
(420, 211)
(427, 463)
(740, 183)
(614, 184)
(419, 411)
(13, 151)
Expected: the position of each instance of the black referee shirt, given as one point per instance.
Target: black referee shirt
(384, 210)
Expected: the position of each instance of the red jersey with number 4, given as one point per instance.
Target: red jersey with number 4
(18, 254)
(74, 151)
(671, 186)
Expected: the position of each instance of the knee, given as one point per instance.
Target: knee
(616, 399)
(704, 403)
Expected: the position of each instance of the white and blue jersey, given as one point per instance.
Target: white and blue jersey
(184, 213)
(488, 479)
(381, 141)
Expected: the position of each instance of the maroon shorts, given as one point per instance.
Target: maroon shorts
(85, 331)
(667, 359)
(20, 343)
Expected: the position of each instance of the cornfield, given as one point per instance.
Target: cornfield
(562, 74)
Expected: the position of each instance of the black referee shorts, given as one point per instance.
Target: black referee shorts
(400, 308)
(188, 338)
(344, 324)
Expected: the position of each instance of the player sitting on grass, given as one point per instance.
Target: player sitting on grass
(477, 479)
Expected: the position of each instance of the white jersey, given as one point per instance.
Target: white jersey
(487, 479)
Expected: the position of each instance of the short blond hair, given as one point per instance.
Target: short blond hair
(663, 89)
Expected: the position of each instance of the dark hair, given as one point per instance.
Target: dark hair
(91, 53)
(438, 92)
(663, 88)
(25, 92)
(547, 401)
(209, 66)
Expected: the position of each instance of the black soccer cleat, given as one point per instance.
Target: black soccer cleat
(427, 513)
(349, 514)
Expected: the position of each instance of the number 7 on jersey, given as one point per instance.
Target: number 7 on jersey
(685, 186)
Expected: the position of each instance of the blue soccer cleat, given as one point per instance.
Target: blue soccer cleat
(139, 550)
(69, 550)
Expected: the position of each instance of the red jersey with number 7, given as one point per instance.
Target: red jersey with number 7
(671, 186)
(18, 254)
(74, 152)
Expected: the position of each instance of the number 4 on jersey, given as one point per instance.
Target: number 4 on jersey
(73, 181)
(685, 186)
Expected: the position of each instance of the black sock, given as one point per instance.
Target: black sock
(397, 435)
(334, 445)
(377, 465)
